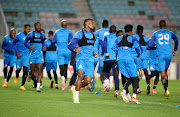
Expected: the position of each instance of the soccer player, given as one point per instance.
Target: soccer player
(9, 56)
(100, 34)
(51, 59)
(62, 37)
(36, 39)
(123, 47)
(143, 41)
(22, 54)
(153, 67)
(162, 38)
(110, 59)
(83, 43)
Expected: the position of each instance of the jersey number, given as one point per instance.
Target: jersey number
(162, 37)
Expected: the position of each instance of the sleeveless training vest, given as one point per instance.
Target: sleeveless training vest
(52, 47)
(124, 42)
(141, 41)
(85, 41)
(36, 40)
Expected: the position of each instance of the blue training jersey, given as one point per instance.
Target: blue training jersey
(51, 53)
(124, 49)
(100, 34)
(108, 44)
(37, 40)
(18, 44)
(62, 37)
(143, 43)
(7, 46)
(162, 38)
(87, 50)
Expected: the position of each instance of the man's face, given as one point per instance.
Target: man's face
(38, 27)
(90, 24)
(27, 29)
(13, 33)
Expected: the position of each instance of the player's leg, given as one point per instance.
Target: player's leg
(92, 86)
(19, 61)
(74, 76)
(25, 75)
(6, 62)
(32, 67)
(106, 70)
(48, 70)
(12, 63)
(116, 79)
(54, 67)
(155, 82)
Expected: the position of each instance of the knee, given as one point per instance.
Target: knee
(88, 81)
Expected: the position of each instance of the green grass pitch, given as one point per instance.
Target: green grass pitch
(58, 103)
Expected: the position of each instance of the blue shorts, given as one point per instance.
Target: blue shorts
(144, 64)
(164, 62)
(127, 68)
(86, 66)
(22, 61)
(63, 58)
(137, 62)
(36, 59)
(51, 65)
(9, 61)
(153, 66)
(101, 62)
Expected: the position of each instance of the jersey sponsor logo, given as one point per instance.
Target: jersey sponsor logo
(37, 39)
(151, 68)
(106, 33)
(80, 66)
(90, 41)
(18, 67)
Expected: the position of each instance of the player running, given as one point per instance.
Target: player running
(51, 59)
(83, 43)
(9, 56)
(36, 39)
(62, 37)
(110, 59)
(162, 38)
(123, 47)
(22, 54)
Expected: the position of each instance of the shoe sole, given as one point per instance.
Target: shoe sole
(124, 99)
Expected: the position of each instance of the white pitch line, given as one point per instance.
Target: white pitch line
(157, 103)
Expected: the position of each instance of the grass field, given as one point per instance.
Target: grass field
(58, 103)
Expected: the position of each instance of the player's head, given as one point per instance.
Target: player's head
(43, 31)
(119, 33)
(50, 34)
(105, 23)
(64, 24)
(162, 24)
(12, 33)
(139, 29)
(27, 28)
(112, 29)
(128, 28)
(89, 23)
(37, 27)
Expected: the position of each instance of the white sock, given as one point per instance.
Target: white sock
(77, 94)
(124, 90)
(63, 79)
(134, 95)
(51, 79)
(128, 95)
(38, 85)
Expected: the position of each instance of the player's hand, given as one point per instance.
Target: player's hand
(31, 47)
(107, 54)
(174, 53)
(18, 54)
(44, 48)
(138, 56)
(102, 56)
(95, 54)
(77, 50)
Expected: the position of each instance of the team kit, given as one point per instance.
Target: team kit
(114, 51)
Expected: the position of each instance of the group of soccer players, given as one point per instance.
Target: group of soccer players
(113, 49)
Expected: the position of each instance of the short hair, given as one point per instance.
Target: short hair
(87, 20)
(36, 23)
(162, 23)
(112, 29)
(140, 29)
(119, 32)
(50, 33)
(128, 28)
(26, 25)
(105, 23)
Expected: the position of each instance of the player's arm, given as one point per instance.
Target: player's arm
(105, 47)
(5, 47)
(43, 43)
(29, 36)
(137, 47)
(55, 38)
(151, 42)
(70, 37)
(73, 45)
(176, 43)
(115, 46)
(14, 46)
(96, 46)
